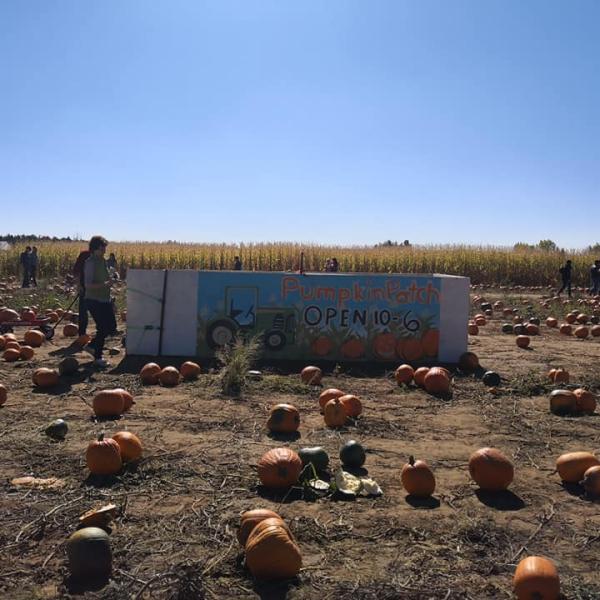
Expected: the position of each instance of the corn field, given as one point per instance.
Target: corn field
(486, 265)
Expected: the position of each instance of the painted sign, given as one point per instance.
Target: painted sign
(340, 317)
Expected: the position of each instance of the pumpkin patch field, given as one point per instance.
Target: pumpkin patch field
(136, 482)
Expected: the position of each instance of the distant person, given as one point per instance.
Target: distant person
(111, 263)
(328, 266)
(25, 260)
(34, 261)
(595, 278)
(97, 283)
(565, 273)
(78, 273)
(335, 267)
(237, 263)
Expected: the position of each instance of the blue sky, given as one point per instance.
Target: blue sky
(336, 122)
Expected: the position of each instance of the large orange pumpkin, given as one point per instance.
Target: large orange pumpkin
(103, 456)
(34, 338)
(351, 405)
(404, 374)
(70, 330)
(130, 445)
(311, 375)
(279, 468)
(149, 374)
(284, 418)
(436, 381)
(328, 395)
(190, 370)
(44, 377)
(572, 466)
(490, 469)
(169, 376)
(128, 400)
(417, 478)
(271, 552)
(563, 402)
(108, 403)
(250, 519)
(334, 413)
(536, 578)
(585, 401)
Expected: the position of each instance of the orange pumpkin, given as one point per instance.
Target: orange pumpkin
(591, 482)
(130, 445)
(582, 318)
(551, 322)
(351, 405)
(271, 552)
(328, 395)
(582, 332)
(468, 362)
(250, 519)
(128, 400)
(472, 329)
(563, 402)
(70, 330)
(82, 340)
(108, 403)
(490, 469)
(585, 401)
(190, 370)
(3, 394)
(419, 376)
(523, 341)
(595, 331)
(279, 468)
(417, 478)
(284, 418)
(565, 329)
(536, 578)
(26, 352)
(12, 354)
(436, 381)
(334, 413)
(404, 374)
(149, 374)
(572, 466)
(103, 456)
(571, 318)
(532, 329)
(34, 338)
(311, 375)
(560, 376)
(44, 377)
(169, 376)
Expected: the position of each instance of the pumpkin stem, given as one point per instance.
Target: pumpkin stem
(411, 460)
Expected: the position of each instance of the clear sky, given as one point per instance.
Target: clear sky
(329, 121)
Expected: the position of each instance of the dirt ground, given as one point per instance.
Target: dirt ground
(178, 510)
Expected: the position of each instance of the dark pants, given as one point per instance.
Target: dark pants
(566, 284)
(83, 315)
(32, 272)
(595, 286)
(104, 316)
(26, 276)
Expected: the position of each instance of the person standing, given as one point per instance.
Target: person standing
(237, 263)
(34, 261)
(25, 260)
(111, 263)
(97, 283)
(595, 278)
(78, 272)
(565, 273)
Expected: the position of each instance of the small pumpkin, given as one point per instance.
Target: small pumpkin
(334, 413)
(328, 395)
(591, 482)
(436, 381)
(468, 362)
(565, 329)
(44, 377)
(582, 318)
(279, 468)
(3, 394)
(284, 418)
(595, 331)
(559, 375)
(563, 402)
(34, 338)
(130, 445)
(532, 329)
(352, 454)
(404, 374)
(417, 478)
(523, 341)
(68, 365)
(571, 318)
(250, 519)
(491, 379)
(190, 370)
(315, 455)
(57, 430)
(351, 405)
(536, 578)
(149, 373)
(311, 375)
(572, 466)
(419, 376)
(581, 332)
(108, 403)
(551, 322)
(103, 456)
(585, 401)
(490, 469)
(12, 354)
(169, 376)
(89, 554)
(271, 552)
(472, 329)
(26, 353)
(70, 330)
